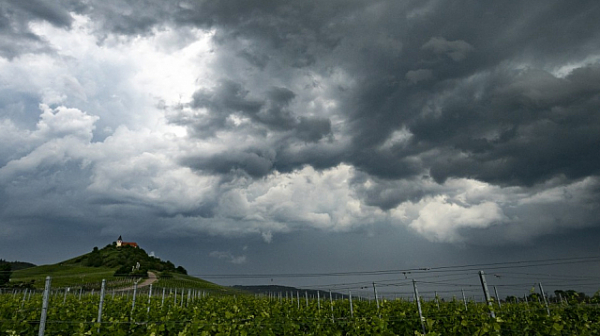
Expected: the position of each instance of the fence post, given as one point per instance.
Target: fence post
(464, 299)
(331, 304)
(561, 298)
(318, 300)
(376, 298)
(486, 293)
(149, 299)
(134, 295)
(351, 307)
(545, 300)
(418, 299)
(101, 303)
(24, 297)
(44, 307)
(497, 297)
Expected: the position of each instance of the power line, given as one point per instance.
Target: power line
(439, 269)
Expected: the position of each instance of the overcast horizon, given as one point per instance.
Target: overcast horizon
(276, 137)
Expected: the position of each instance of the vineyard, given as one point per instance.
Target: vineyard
(162, 311)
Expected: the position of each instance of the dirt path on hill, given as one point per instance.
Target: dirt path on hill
(151, 279)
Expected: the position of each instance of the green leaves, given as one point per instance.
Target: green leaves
(248, 315)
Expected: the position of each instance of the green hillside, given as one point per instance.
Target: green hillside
(120, 266)
(64, 275)
(124, 259)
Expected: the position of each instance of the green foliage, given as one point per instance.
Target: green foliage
(123, 271)
(18, 265)
(198, 314)
(89, 269)
(165, 275)
(94, 259)
(5, 272)
(72, 275)
(112, 256)
(126, 271)
(571, 296)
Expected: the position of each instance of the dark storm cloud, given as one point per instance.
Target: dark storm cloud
(226, 99)
(254, 163)
(520, 129)
(313, 129)
(457, 124)
(16, 37)
(387, 194)
(43, 10)
(411, 94)
(447, 72)
(126, 18)
(271, 111)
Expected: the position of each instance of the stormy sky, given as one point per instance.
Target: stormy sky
(237, 137)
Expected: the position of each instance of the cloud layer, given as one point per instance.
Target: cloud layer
(467, 123)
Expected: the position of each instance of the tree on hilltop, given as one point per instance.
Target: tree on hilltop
(5, 272)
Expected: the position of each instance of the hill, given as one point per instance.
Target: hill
(120, 266)
(127, 259)
(17, 265)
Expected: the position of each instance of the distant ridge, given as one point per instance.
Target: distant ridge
(18, 265)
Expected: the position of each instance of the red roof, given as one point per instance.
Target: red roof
(129, 244)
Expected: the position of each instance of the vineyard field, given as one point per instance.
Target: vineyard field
(197, 313)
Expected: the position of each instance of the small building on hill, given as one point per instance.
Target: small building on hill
(120, 243)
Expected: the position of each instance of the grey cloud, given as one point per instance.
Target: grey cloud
(44, 10)
(415, 76)
(227, 256)
(227, 98)
(313, 129)
(125, 18)
(276, 114)
(387, 194)
(255, 58)
(525, 129)
(324, 36)
(494, 111)
(254, 163)
(16, 36)
(456, 50)
(481, 120)
(272, 110)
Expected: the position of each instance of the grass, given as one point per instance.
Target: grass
(88, 271)
(64, 275)
(70, 275)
